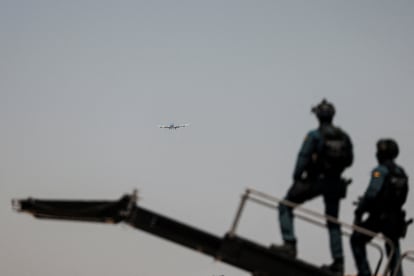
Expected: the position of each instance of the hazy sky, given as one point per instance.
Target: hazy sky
(84, 84)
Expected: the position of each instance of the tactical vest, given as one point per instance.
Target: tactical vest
(335, 150)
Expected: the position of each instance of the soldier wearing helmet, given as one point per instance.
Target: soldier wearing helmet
(382, 201)
(324, 111)
(324, 155)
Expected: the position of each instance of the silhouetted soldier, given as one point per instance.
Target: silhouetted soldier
(324, 155)
(383, 201)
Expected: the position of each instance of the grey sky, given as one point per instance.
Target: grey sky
(84, 84)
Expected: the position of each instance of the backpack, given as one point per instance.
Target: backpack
(395, 189)
(335, 150)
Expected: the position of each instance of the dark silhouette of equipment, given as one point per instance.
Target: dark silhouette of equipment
(231, 249)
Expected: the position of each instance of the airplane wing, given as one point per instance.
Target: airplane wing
(172, 126)
(183, 125)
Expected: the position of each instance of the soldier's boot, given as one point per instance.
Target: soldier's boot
(288, 248)
(337, 267)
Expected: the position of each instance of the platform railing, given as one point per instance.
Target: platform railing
(273, 202)
(407, 255)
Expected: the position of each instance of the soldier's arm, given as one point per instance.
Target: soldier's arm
(375, 185)
(305, 154)
(351, 156)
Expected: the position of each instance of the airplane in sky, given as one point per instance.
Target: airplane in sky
(173, 126)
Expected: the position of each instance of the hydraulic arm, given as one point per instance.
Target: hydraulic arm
(234, 250)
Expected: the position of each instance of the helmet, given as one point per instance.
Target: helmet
(387, 149)
(324, 110)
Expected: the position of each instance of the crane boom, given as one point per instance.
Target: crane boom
(233, 250)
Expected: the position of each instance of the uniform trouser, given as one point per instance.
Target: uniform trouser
(304, 191)
(359, 242)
